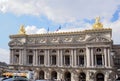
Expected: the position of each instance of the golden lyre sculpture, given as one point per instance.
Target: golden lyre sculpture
(97, 24)
(22, 30)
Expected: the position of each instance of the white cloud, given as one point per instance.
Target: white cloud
(4, 55)
(76, 27)
(34, 30)
(61, 10)
(115, 30)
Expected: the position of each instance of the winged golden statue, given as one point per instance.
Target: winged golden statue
(22, 30)
(97, 24)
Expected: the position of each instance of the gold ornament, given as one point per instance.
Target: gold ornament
(97, 24)
(22, 30)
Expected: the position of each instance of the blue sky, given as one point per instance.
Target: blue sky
(39, 15)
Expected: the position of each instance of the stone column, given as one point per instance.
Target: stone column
(92, 58)
(46, 58)
(48, 55)
(20, 57)
(75, 59)
(88, 56)
(72, 58)
(11, 56)
(25, 56)
(36, 58)
(103, 62)
(109, 58)
(58, 57)
(61, 58)
(105, 56)
(34, 55)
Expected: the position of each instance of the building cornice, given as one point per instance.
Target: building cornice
(62, 33)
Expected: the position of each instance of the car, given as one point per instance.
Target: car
(8, 79)
(3, 78)
(43, 80)
(16, 79)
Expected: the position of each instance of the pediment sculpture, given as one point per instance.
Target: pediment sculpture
(15, 42)
(43, 40)
(98, 39)
(55, 40)
(67, 39)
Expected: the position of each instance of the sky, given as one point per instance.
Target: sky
(40, 15)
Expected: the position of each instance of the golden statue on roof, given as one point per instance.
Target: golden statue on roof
(97, 24)
(22, 30)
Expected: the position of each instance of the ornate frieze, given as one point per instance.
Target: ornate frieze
(55, 39)
(72, 38)
(30, 40)
(80, 38)
(15, 42)
(67, 39)
(41, 40)
(98, 39)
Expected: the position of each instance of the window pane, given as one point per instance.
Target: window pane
(81, 60)
(99, 59)
(67, 60)
(41, 59)
(30, 59)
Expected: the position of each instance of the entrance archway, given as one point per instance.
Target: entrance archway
(82, 77)
(41, 74)
(100, 77)
(53, 75)
(67, 76)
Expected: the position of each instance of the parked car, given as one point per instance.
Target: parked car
(16, 79)
(3, 78)
(43, 80)
(8, 79)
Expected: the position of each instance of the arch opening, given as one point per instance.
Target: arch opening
(41, 75)
(53, 75)
(100, 77)
(67, 76)
(82, 77)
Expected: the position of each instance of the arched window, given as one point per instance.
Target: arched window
(67, 51)
(16, 50)
(67, 76)
(53, 51)
(82, 77)
(98, 50)
(100, 77)
(30, 51)
(81, 51)
(53, 75)
(41, 74)
(41, 51)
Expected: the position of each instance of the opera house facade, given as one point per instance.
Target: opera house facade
(65, 56)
